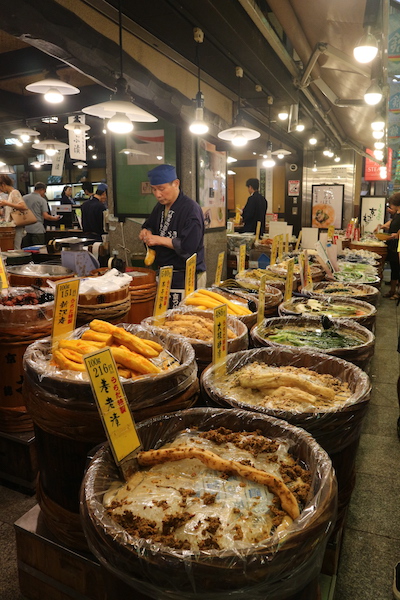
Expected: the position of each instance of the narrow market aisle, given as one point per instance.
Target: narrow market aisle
(371, 544)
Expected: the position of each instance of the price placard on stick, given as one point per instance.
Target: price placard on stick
(220, 264)
(261, 300)
(112, 404)
(274, 250)
(280, 247)
(3, 275)
(289, 280)
(190, 275)
(298, 240)
(242, 258)
(220, 342)
(65, 309)
(163, 289)
(258, 229)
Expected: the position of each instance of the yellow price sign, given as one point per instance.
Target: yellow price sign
(287, 243)
(190, 274)
(220, 342)
(65, 308)
(280, 247)
(309, 285)
(298, 240)
(258, 229)
(3, 274)
(220, 264)
(274, 249)
(238, 213)
(163, 289)
(331, 232)
(112, 404)
(242, 258)
(289, 280)
(261, 299)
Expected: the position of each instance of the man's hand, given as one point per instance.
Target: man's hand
(143, 235)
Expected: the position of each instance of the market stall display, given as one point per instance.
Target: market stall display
(239, 305)
(273, 296)
(341, 337)
(235, 555)
(104, 297)
(67, 423)
(33, 274)
(358, 291)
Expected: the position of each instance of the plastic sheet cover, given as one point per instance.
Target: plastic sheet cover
(334, 429)
(25, 319)
(275, 567)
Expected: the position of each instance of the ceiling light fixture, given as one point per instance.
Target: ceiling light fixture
(383, 172)
(374, 94)
(367, 48)
(198, 126)
(378, 135)
(120, 111)
(300, 126)
(239, 134)
(269, 162)
(281, 153)
(231, 159)
(77, 126)
(377, 124)
(378, 154)
(230, 172)
(132, 151)
(53, 89)
(80, 164)
(379, 145)
(25, 133)
(283, 114)
(337, 158)
(313, 140)
(51, 146)
(314, 166)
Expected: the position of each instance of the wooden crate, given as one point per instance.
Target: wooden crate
(18, 460)
(46, 569)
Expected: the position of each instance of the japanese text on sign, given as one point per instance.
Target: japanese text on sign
(164, 287)
(190, 275)
(220, 264)
(65, 308)
(261, 299)
(242, 258)
(220, 345)
(112, 404)
(289, 280)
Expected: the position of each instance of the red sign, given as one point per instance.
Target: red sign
(373, 169)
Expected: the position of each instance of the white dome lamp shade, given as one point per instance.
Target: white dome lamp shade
(367, 48)
(269, 162)
(51, 146)
(80, 164)
(25, 133)
(379, 145)
(239, 136)
(53, 89)
(132, 151)
(374, 94)
(77, 126)
(281, 153)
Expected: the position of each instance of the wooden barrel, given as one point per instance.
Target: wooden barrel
(277, 567)
(32, 274)
(19, 327)
(67, 423)
(109, 306)
(7, 235)
(358, 291)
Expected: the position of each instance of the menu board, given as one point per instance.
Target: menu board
(327, 206)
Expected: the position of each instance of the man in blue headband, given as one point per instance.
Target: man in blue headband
(175, 228)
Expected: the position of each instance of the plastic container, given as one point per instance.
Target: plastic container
(68, 425)
(360, 354)
(275, 568)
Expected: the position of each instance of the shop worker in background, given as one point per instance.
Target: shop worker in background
(175, 228)
(255, 209)
(37, 202)
(92, 212)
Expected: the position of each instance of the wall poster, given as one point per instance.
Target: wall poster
(327, 206)
(373, 210)
(212, 185)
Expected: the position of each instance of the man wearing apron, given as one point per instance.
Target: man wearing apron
(174, 229)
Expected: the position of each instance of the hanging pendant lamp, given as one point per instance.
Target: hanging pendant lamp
(77, 126)
(120, 110)
(53, 89)
(51, 146)
(239, 134)
(25, 133)
(198, 126)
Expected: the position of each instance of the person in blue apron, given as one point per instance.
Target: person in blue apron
(174, 229)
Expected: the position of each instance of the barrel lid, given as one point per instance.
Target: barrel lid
(42, 269)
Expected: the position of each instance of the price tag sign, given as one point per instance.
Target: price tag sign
(309, 285)
(3, 274)
(301, 267)
(289, 280)
(258, 229)
(287, 243)
(220, 342)
(220, 264)
(331, 232)
(242, 258)
(163, 289)
(65, 308)
(280, 247)
(112, 404)
(298, 240)
(325, 258)
(237, 216)
(274, 249)
(190, 275)
(261, 300)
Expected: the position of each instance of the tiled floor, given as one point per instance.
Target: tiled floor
(371, 545)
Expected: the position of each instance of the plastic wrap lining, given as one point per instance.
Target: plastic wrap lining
(364, 292)
(53, 396)
(275, 568)
(334, 429)
(359, 355)
(25, 321)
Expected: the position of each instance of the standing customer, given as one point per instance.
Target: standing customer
(175, 228)
(66, 195)
(14, 200)
(255, 209)
(37, 202)
(393, 256)
(92, 212)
